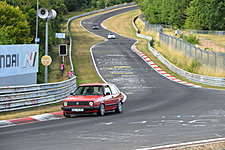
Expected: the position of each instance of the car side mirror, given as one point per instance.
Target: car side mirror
(107, 93)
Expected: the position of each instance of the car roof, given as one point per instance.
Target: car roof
(94, 84)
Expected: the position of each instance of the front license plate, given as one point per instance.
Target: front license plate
(77, 109)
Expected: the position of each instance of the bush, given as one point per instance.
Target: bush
(181, 36)
(194, 66)
(192, 39)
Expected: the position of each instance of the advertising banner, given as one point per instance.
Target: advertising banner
(18, 59)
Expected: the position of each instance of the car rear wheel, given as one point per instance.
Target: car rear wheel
(101, 111)
(119, 107)
(66, 115)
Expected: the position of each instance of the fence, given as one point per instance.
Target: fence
(20, 97)
(205, 32)
(205, 44)
(197, 31)
(211, 59)
(140, 35)
(214, 81)
(211, 45)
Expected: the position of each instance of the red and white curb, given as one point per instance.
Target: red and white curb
(31, 119)
(159, 70)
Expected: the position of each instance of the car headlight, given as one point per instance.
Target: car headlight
(91, 103)
(64, 103)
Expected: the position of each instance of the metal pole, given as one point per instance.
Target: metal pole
(190, 50)
(46, 51)
(195, 53)
(37, 20)
(215, 60)
(223, 62)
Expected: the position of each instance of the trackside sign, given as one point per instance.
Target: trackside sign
(18, 59)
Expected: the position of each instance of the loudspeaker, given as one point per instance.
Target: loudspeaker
(43, 13)
(51, 14)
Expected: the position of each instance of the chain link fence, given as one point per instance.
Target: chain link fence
(204, 43)
(214, 81)
(212, 59)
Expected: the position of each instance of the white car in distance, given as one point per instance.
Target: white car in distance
(111, 36)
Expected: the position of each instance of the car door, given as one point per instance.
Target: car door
(109, 99)
(115, 94)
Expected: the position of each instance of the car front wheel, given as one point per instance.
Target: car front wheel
(66, 115)
(101, 111)
(119, 107)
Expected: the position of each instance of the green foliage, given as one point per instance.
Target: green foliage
(191, 14)
(170, 12)
(192, 39)
(15, 25)
(206, 15)
(4, 37)
(194, 66)
(18, 21)
(27, 9)
(77, 5)
(181, 36)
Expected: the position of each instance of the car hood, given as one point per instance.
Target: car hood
(83, 98)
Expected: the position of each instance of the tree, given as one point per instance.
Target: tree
(15, 23)
(206, 15)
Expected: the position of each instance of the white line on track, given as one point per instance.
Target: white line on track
(188, 144)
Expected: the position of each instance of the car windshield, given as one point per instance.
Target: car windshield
(111, 34)
(89, 90)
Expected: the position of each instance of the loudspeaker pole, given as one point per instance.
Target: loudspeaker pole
(46, 51)
(37, 20)
(46, 15)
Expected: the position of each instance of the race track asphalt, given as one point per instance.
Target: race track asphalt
(157, 111)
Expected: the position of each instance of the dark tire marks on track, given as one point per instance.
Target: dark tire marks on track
(157, 112)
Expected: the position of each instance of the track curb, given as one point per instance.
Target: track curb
(32, 119)
(159, 70)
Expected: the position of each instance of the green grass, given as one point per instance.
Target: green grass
(84, 69)
(122, 24)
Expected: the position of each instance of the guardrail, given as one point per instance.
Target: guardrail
(140, 35)
(211, 59)
(20, 97)
(214, 81)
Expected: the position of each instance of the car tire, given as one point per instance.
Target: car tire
(101, 111)
(66, 115)
(119, 107)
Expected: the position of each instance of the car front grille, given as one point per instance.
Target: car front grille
(78, 103)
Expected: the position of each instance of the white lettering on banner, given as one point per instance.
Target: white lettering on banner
(18, 59)
(9, 60)
(30, 60)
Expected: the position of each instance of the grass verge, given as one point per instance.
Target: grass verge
(212, 146)
(178, 58)
(83, 66)
(122, 24)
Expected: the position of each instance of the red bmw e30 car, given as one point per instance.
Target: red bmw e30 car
(94, 98)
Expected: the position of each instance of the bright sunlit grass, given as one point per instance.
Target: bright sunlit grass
(83, 66)
(178, 58)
